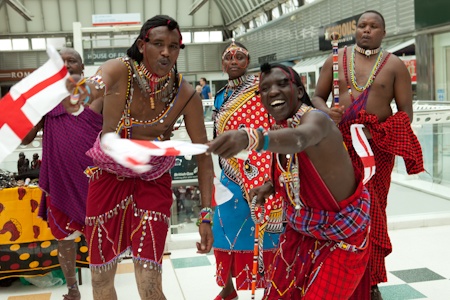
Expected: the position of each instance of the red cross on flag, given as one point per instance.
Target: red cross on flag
(29, 100)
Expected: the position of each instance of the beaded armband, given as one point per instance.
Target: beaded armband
(253, 138)
(97, 81)
(205, 216)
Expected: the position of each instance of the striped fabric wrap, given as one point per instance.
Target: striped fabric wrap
(329, 225)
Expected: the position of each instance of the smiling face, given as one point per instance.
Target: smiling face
(279, 94)
(235, 61)
(161, 51)
(370, 31)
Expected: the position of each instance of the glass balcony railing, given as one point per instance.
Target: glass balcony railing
(432, 126)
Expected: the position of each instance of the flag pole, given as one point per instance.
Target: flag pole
(335, 46)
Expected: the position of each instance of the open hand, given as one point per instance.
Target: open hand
(229, 143)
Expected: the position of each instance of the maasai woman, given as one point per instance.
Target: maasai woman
(237, 106)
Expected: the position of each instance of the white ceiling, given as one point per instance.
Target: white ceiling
(55, 17)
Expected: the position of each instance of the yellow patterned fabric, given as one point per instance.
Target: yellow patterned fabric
(19, 221)
(27, 246)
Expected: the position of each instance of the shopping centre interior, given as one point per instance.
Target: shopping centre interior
(291, 32)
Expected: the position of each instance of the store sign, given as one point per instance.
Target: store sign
(346, 29)
(14, 75)
(99, 56)
(267, 58)
(116, 19)
(411, 66)
(185, 168)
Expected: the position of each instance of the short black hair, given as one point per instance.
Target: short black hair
(266, 68)
(204, 79)
(156, 21)
(371, 11)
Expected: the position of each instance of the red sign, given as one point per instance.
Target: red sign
(411, 66)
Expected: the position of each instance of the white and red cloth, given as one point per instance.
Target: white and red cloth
(29, 100)
(135, 154)
(364, 151)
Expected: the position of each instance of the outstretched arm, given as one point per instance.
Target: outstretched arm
(32, 134)
(314, 128)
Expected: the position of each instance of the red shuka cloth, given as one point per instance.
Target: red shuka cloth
(309, 268)
(390, 138)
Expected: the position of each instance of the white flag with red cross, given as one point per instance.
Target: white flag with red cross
(364, 151)
(29, 100)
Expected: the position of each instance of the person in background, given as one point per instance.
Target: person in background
(206, 90)
(323, 252)
(23, 164)
(236, 106)
(129, 212)
(66, 139)
(198, 89)
(369, 79)
(36, 162)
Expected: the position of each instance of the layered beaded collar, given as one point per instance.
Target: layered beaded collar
(367, 52)
(234, 83)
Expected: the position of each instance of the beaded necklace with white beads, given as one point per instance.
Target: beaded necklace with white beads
(372, 74)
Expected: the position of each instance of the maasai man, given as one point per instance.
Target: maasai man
(144, 95)
(369, 79)
(66, 139)
(324, 250)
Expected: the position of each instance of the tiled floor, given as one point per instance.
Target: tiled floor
(419, 267)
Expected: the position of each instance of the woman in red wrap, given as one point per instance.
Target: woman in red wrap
(324, 250)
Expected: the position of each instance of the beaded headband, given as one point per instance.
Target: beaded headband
(168, 22)
(233, 49)
(367, 52)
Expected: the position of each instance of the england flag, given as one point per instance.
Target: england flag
(29, 100)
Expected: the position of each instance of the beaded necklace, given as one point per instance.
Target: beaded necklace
(127, 121)
(367, 52)
(289, 177)
(372, 74)
(232, 85)
(152, 85)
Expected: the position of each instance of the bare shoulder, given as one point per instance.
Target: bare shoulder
(395, 63)
(113, 70)
(186, 89)
(187, 94)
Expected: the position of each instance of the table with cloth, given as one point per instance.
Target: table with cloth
(27, 246)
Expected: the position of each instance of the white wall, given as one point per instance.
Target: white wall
(441, 42)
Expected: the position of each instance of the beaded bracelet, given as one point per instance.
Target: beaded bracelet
(253, 138)
(266, 140)
(252, 211)
(205, 216)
